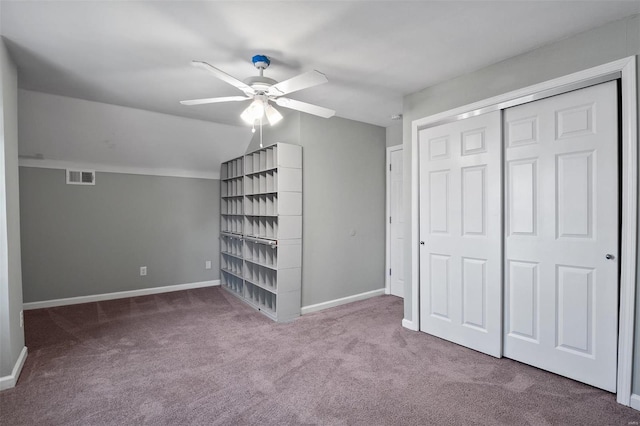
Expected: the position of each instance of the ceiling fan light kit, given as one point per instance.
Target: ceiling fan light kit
(253, 112)
(264, 89)
(273, 116)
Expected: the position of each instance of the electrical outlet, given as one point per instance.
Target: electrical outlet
(143, 271)
(21, 319)
(207, 264)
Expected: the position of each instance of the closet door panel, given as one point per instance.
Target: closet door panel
(460, 225)
(561, 244)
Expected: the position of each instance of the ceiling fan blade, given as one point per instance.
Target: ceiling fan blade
(305, 107)
(302, 81)
(215, 100)
(225, 77)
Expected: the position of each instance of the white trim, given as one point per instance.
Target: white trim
(117, 295)
(387, 262)
(8, 382)
(588, 74)
(107, 168)
(409, 324)
(343, 300)
(635, 401)
(628, 233)
(628, 191)
(415, 230)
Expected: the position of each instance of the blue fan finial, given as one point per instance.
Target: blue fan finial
(260, 61)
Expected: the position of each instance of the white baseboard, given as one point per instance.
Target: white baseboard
(337, 302)
(409, 324)
(8, 382)
(635, 401)
(117, 295)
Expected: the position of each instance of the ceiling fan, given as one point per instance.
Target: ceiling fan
(263, 89)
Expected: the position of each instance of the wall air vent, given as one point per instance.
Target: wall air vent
(81, 177)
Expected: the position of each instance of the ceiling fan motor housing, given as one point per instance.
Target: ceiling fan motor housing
(260, 83)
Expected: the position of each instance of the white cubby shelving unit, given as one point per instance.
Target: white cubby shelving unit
(261, 229)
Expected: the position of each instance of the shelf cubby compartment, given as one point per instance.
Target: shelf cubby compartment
(271, 205)
(248, 164)
(231, 246)
(274, 156)
(255, 159)
(268, 205)
(260, 252)
(278, 281)
(261, 299)
(270, 180)
(263, 159)
(283, 254)
(236, 167)
(261, 227)
(232, 187)
(231, 224)
(224, 171)
(273, 227)
(232, 265)
(271, 156)
(232, 169)
(260, 276)
(232, 206)
(276, 180)
(275, 268)
(232, 282)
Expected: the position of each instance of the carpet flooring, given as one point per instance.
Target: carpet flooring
(202, 357)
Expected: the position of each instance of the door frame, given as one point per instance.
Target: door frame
(387, 262)
(626, 70)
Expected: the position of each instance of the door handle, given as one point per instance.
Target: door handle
(609, 257)
(421, 243)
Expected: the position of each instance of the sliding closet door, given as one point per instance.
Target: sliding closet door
(561, 242)
(460, 232)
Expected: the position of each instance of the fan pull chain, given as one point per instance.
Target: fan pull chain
(260, 132)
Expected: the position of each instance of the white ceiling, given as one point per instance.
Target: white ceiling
(138, 54)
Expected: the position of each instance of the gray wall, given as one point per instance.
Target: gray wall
(610, 42)
(11, 333)
(85, 240)
(394, 134)
(343, 191)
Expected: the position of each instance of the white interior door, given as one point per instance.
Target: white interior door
(561, 234)
(396, 232)
(460, 226)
